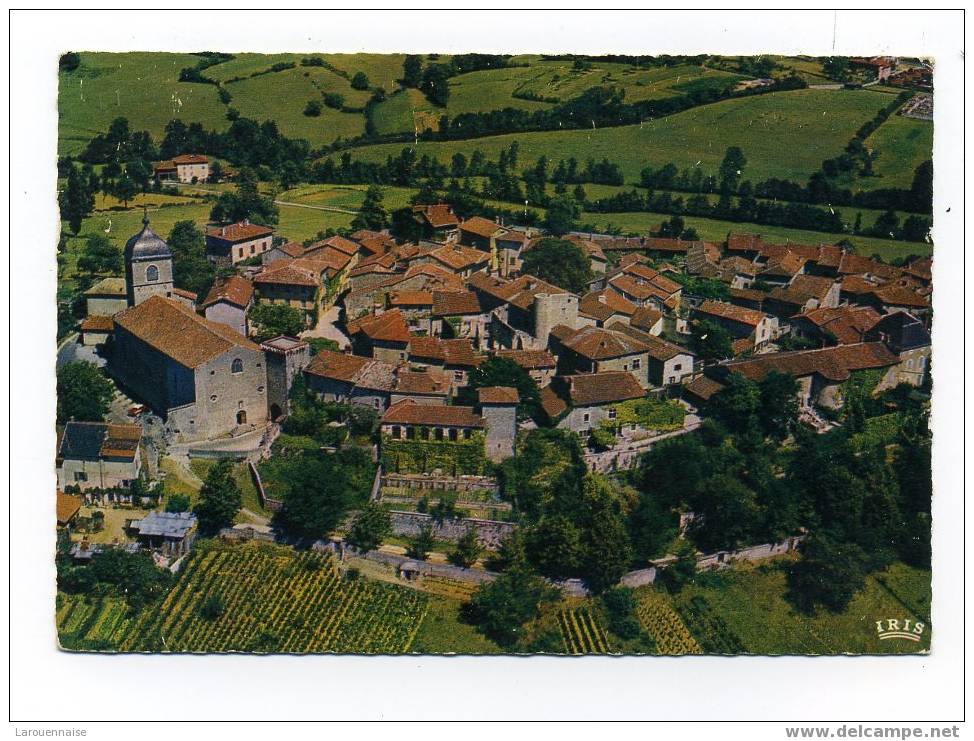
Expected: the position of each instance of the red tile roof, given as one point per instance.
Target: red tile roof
(411, 298)
(235, 290)
(497, 395)
(589, 389)
(190, 159)
(437, 215)
(703, 388)
(336, 242)
(390, 326)
(457, 352)
(458, 257)
(428, 382)
(604, 304)
(846, 324)
(239, 232)
(900, 296)
(480, 226)
(832, 363)
(529, 359)
(595, 343)
(456, 303)
(408, 412)
(67, 507)
(731, 312)
(179, 333)
(744, 242)
(645, 318)
(96, 323)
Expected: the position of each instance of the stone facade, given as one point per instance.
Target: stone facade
(286, 357)
(99, 474)
(233, 316)
(501, 422)
(208, 401)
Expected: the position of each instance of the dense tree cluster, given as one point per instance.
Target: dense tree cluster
(84, 393)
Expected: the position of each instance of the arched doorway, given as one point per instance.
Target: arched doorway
(276, 412)
(241, 417)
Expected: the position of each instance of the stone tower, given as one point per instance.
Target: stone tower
(286, 357)
(498, 407)
(550, 310)
(148, 266)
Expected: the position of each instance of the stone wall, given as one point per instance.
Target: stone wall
(489, 532)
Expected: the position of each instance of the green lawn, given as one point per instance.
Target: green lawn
(406, 110)
(752, 605)
(784, 135)
(492, 89)
(141, 86)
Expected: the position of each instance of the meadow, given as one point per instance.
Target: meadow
(902, 144)
(783, 135)
(141, 86)
(748, 607)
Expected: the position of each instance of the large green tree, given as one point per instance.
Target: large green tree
(271, 320)
(561, 215)
(191, 270)
(100, 256)
(76, 200)
(84, 393)
(560, 262)
(220, 499)
(498, 371)
(829, 574)
(372, 214)
(369, 528)
(731, 169)
(710, 341)
(245, 203)
(501, 608)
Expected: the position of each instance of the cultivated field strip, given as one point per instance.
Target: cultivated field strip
(660, 620)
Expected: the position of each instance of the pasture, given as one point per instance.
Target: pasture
(784, 135)
(902, 144)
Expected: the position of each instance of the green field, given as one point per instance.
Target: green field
(273, 600)
(903, 144)
(141, 86)
(290, 90)
(750, 604)
(784, 135)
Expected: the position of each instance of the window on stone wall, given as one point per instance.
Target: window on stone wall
(467, 434)
(236, 366)
(152, 273)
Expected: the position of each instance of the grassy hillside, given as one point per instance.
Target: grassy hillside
(751, 608)
(902, 144)
(282, 97)
(784, 135)
(142, 86)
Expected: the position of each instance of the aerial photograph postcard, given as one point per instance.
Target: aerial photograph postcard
(481, 353)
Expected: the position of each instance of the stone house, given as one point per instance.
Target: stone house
(540, 364)
(842, 325)
(289, 284)
(741, 323)
(480, 233)
(228, 302)
(595, 350)
(95, 330)
(644, 286)
(437, 221)
(107, 297)
(381, 336)
(906, 337)
(233, 243)
(352, 379)
(647, 319)
(524, 310)
(668, 364)
(459, 314)
(283, 251)
(184, 168)
(580, 403)
(454, 258)
(498, 406)
(804, 293)
(823, 374)
(98, 455)
(169, 533)
(782, 267)
(509, 246)
(416, 308)
(457, 358)
(67, 509)
(893, 298)
(598, 262)
(367, 294)
(204, 378)
(416, 438)
(148, 266)
(599, 308)
(286, 357)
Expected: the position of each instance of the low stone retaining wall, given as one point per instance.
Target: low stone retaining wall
(489, 532)
(266, 502)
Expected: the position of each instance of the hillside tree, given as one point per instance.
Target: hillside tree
(220, 499)
(560, 262)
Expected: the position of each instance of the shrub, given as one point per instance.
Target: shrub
(212, 607)
(313, 108)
